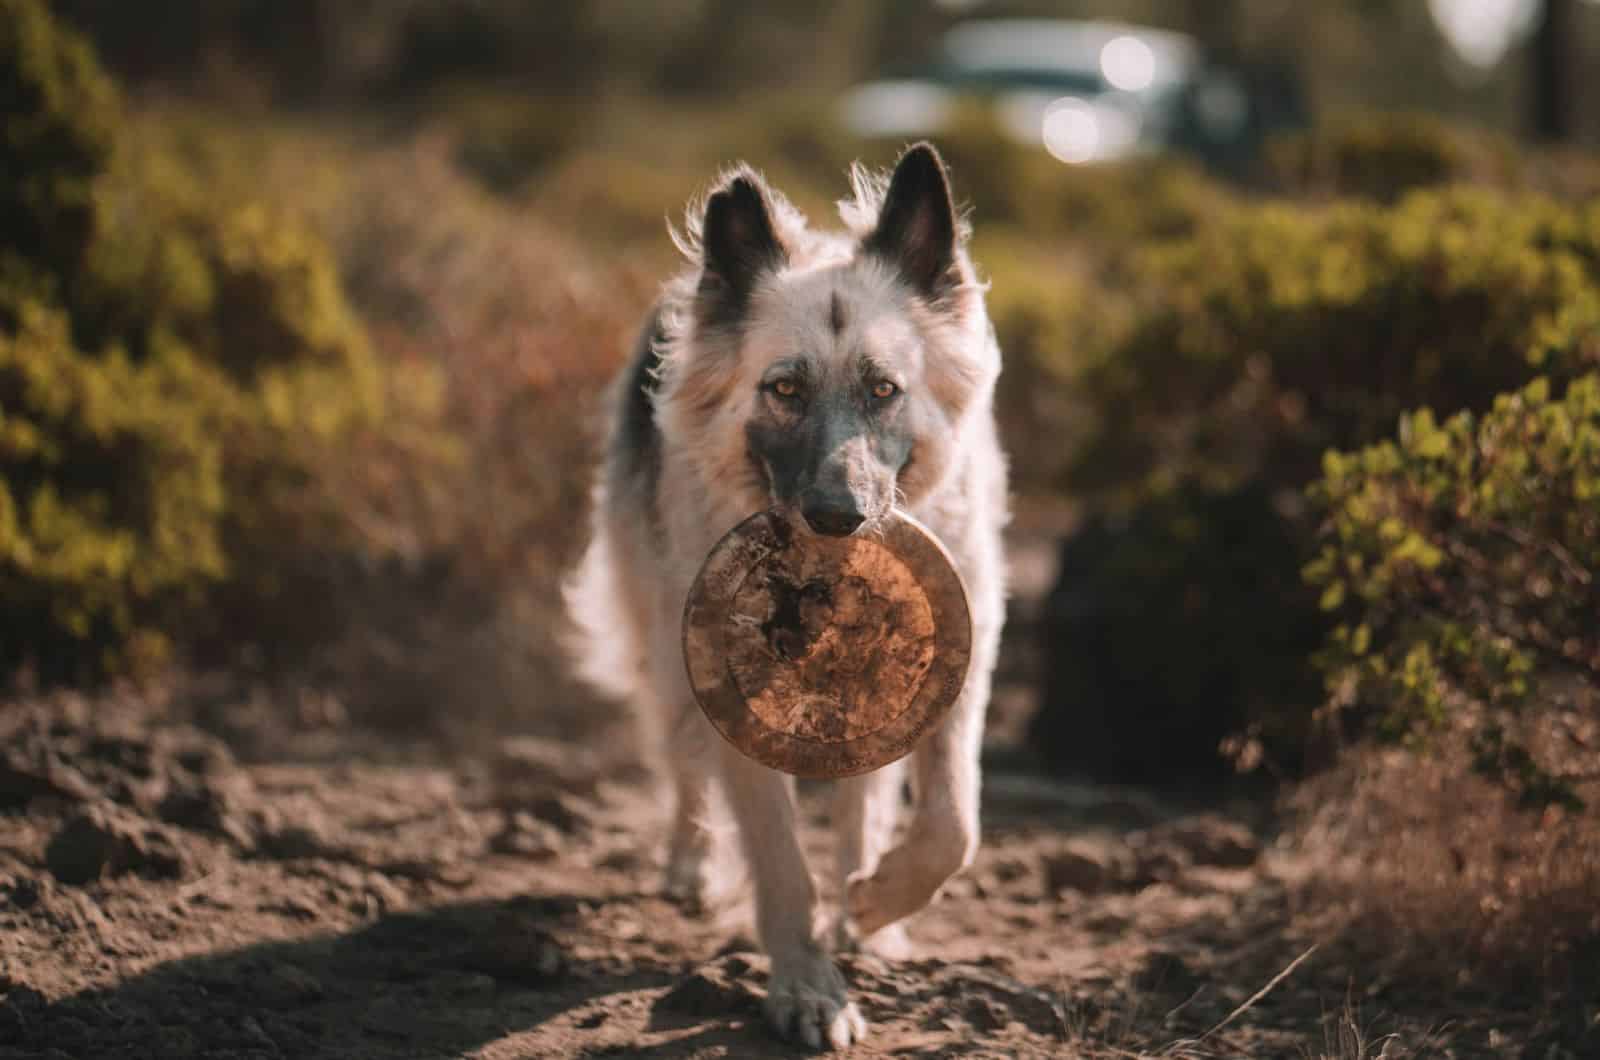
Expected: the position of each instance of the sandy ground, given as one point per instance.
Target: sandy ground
(237, 879)
(159, 898)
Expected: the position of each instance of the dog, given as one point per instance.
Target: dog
(833, 376)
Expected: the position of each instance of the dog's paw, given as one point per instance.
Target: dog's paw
(908, 878)
(701, 876)
(684, 878)
(700, 885)
(807, 1002)
(889, 943)
(870, 902)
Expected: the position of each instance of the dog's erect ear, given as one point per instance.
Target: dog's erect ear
(739, 245)
(917, 225)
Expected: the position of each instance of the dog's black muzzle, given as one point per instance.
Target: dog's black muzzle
(831, 514)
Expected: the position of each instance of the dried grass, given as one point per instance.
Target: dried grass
(1434, 875)
(510, 328)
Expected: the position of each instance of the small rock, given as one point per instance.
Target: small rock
(986, 1014)
(294, 905)
(623, 859)
(562, 812)
(517, 952)
(1081, 866)
(288, 840)
(23, 892)
(707, 991)
(524, 769)
(1158, 863)
(1039, 1010)
(386, 892)
(1211, 840)
(1010, 870)
(102, 840)
(25, 777)
(204, 757)
(524, 835)
(206, 807)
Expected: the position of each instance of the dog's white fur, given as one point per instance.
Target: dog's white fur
(653, 531)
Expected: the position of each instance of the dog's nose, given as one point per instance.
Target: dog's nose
(834, 522)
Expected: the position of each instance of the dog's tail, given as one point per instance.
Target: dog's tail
(603, 641)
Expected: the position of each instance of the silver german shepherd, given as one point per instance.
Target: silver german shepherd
(837, 376)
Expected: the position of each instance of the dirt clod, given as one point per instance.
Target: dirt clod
(1091, 868)
(711, 988)
(986, 1014)
(1211, 840)
(103, 840)
(515, 951)
(24, 778)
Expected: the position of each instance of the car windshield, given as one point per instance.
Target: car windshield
(1062, 57)
(1016, 78)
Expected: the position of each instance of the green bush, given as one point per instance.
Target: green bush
(1462, 561)
(1230, 361)
(60, 114)
(1280, 332)
(174, 370)
(1383, 156)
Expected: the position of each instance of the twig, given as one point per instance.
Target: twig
(1259, 994)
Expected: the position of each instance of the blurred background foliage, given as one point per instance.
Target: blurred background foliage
(305, 307)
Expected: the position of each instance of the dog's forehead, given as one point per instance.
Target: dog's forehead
(835, 313)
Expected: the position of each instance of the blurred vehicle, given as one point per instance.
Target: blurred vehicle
(1084, 91)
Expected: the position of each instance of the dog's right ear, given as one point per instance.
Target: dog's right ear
(739, 244)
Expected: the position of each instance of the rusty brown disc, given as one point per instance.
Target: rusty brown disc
(826, 656)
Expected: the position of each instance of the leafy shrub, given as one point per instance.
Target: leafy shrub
(1246, 351)
(1462, 560)
(1383, 156)
(173, 371)
(60, 113)
(1280, 332)
(505, 141)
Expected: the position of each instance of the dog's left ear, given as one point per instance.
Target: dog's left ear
(916, 229)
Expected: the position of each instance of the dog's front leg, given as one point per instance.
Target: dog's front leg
(943, 835)
(806, 996)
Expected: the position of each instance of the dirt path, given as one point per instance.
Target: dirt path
(159, 899)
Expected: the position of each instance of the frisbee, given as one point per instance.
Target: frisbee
(827, 656)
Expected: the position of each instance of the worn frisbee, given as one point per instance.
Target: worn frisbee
(826, 656)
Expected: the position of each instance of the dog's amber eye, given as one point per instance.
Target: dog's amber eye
(883, 390)
(785, 388)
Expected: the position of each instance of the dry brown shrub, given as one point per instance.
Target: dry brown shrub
(1432, 875)
(519, 327)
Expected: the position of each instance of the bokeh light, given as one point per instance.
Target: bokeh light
(1071, 131)
(1128, 63)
